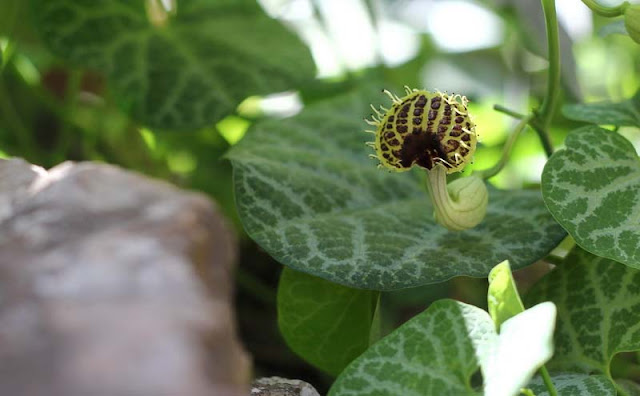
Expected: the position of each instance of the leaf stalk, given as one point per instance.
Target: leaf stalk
(506, 150)
(547, 381)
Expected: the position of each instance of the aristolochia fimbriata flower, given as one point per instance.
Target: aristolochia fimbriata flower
(436, 132)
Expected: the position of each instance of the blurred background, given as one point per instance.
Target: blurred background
(492, 51)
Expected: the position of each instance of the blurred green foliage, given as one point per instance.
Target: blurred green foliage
(53, 110)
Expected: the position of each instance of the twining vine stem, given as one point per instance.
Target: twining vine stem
(553, 79)
(543, 116)
(540, 119)
(508, 112)
(506, 149)
(605, 11)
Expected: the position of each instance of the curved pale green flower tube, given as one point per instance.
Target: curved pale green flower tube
(460, 205)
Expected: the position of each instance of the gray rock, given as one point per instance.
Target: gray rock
(276, 386)
(112, 284)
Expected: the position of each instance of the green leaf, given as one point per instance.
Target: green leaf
(592, 188)
(437, 352)
(625, 113)
(186, 72)
(503, 298)
(310, 196)
(598, 303)
(325, 323)
(574, 384)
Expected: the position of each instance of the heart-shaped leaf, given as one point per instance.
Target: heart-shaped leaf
(308, 194)
(327, 324)
(625, 113)
(437, 352)
(574, 384)
(593, 189)
(598, 303)
(176, 70)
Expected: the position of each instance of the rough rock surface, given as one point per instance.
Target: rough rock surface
(276, 386)
(112, 284)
